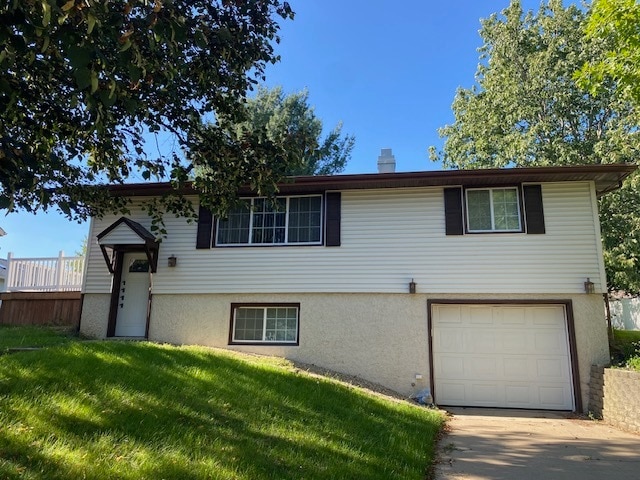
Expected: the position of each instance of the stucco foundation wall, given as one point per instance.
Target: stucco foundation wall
(379, 337)
(615, 397)
(95, 314)
(591, 338)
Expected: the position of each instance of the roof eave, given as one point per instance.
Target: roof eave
(606, 177)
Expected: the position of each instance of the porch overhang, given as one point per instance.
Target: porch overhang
(125, 235)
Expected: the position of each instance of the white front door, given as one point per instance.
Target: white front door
(514, 356)
(133, 296)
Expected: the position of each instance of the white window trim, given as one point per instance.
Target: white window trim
(264, 325)
(286, 224)
(493, 220)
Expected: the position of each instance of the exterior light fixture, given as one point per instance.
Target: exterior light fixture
(412, 286)
(173, 261)
(589, 286)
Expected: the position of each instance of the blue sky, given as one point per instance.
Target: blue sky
(387, 70)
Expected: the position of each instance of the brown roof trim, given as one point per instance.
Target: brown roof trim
(606, 177)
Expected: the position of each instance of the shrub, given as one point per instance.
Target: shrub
(625, 346)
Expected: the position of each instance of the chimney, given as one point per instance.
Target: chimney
(386, 161)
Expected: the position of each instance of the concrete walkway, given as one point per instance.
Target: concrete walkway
(483, 444)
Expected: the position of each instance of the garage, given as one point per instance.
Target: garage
(501, 355)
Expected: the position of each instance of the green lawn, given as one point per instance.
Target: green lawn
(122, 410)
(17, 337)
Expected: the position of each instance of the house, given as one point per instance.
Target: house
(484, 286)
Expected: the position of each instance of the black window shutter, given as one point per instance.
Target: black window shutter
(205, 228)
(332, 224)
(453, 211)
(534, 212)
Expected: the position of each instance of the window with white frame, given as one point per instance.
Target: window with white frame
(493, 210)
(264, 324)
(258, 221)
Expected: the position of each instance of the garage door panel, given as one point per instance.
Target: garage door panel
(515, 341)
(486, 393)
(518, 394)
(487, 368)
(553, 397)
(451, 367)
(512, 316)
(549, 341)
(449, 314)
(515, 368)
(450, 340)
(481, 341)
(552, 369)
(483, 368)
(480, 315)
(547, 316)
(520, 360)
(454, 391)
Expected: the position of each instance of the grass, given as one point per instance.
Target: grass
(121, 410)
(29, 336)
(625, 349)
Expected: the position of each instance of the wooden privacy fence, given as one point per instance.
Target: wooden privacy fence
(42, 291)
(41, 308)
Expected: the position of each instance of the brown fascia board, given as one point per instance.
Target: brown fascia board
(138, 229)
(606, 177)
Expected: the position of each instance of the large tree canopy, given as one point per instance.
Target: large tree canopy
(84, 84)
(617, 24)
(527, 110)
(290, 121)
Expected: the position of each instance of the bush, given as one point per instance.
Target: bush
(625, 349)
(634, 362)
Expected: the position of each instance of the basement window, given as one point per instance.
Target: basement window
(275, 324)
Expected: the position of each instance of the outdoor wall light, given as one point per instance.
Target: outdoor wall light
(412, 286)
(173, 261)
(589, 286)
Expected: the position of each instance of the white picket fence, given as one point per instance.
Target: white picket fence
(51, 274)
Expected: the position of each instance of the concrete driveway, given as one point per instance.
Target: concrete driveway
(520, 445)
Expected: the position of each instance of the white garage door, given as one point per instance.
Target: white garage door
(510, 356)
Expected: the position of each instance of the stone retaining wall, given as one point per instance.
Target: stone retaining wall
(614, 396)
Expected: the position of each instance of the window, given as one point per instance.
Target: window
(275, 324)
(493, 210)
(137, 266)
(257, 221)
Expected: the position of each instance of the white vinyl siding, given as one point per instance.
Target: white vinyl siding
(388, 237)
(122, 235)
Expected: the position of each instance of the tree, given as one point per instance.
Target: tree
(617, 24)
(82, 251)
(527, 110)
(84, 84)
(290, 121)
